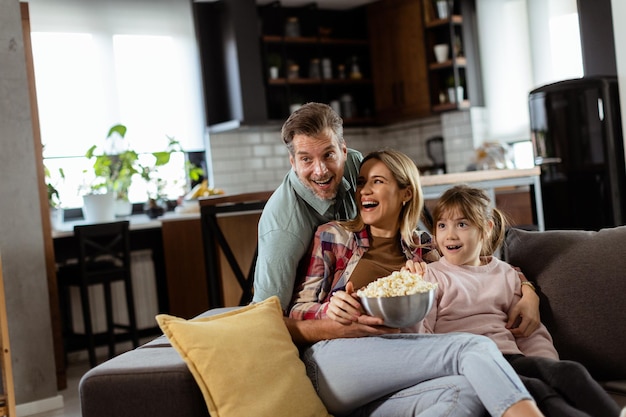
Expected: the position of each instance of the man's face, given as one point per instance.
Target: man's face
(319, 163)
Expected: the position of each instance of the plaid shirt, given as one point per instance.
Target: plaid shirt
(335, 254)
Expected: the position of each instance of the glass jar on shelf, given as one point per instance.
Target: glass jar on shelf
(292, 27)
(355, 70)
(327, 69)
(314, 68)
(293, 71)
(341, 70)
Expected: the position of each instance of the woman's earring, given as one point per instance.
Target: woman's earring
(403, 203)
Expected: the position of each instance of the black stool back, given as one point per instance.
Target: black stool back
(103, 258)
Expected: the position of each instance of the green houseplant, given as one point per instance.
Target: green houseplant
(114, 170)
(54, 199)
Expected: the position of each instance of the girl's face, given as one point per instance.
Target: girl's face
(380, 198)
(459, 241)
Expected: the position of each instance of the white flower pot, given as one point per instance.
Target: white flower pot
(56, 218)
(99, 208)
(123, 208)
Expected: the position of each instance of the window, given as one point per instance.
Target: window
(122, 61)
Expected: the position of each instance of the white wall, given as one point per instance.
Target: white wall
(517, 55)
(506, 63)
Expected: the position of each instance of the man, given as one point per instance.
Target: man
(320, 188)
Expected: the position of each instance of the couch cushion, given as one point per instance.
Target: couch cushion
(245, 362)
(581, 278)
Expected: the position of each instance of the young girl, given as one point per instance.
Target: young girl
(475, 292)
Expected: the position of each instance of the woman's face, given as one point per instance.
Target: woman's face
(380, 198)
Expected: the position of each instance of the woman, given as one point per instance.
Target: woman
(351, 254)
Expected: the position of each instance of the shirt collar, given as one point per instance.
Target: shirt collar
(319, 205)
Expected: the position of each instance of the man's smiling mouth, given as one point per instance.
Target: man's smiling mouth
(323, 182)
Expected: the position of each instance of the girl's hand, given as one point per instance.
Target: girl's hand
(344, 306)
(415, 267)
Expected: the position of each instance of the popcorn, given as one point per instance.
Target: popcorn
(397, 284)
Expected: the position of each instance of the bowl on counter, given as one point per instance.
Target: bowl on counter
(402, 310)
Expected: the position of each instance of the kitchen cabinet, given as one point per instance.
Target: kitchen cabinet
(317, 55)
(454, 78)
(399, 68)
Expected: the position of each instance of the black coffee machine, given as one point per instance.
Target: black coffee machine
(435, 151)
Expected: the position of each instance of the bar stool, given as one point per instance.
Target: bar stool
(103, 258)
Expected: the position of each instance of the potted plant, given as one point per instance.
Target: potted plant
(157, 200)
(274, 62)
(114, 170)
(455, 92)
(54, 199)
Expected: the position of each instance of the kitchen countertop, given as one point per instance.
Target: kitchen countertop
(477, 176)
(137, 222)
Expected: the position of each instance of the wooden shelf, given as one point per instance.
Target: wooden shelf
(461, 69)
(313, 40)
(317, 81)
(465, 104)
(455, 20)
(459, 62)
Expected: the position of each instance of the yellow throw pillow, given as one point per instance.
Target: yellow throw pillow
(245, 362)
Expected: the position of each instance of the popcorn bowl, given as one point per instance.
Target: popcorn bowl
(400, 311)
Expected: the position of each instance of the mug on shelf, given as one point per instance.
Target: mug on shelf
(442, 52)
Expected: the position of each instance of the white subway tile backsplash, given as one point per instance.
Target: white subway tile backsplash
(277, 162)
(251, 160)
(250, 138)
(263, 150)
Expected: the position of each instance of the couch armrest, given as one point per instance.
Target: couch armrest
(149, 381)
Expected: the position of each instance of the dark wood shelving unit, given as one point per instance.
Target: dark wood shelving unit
(456, 82)
(300, 60)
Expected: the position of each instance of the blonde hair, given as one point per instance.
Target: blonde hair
(406, 176)
(474, 204)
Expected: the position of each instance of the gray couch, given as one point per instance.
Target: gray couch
(581, 278)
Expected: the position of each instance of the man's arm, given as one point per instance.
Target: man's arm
(526, 311)
(276, 266)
